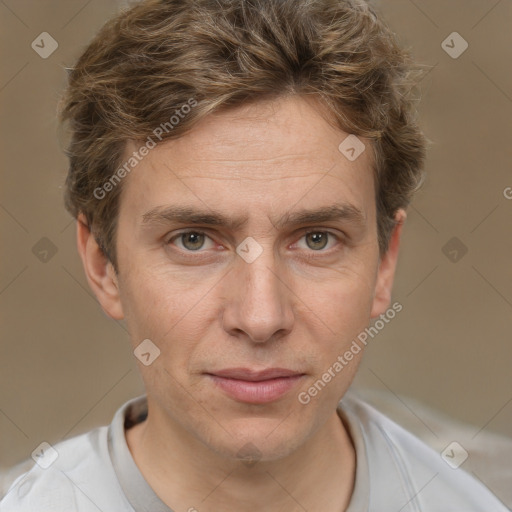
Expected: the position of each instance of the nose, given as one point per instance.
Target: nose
(259, 303)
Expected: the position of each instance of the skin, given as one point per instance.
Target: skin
(298, 305)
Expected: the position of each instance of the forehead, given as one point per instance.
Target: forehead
(272, 151)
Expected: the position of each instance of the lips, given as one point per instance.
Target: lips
(256, 386)
(254, 375)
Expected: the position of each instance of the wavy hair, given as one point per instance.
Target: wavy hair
(148, 61)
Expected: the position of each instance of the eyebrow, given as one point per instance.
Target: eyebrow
(188, 215)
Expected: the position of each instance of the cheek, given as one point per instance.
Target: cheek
(339, 311)
(343, 308)
(342, 299)
(174, 314)
(155, 304)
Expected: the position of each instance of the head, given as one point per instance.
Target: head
(219, 212)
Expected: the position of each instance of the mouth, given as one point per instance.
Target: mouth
(256, 387)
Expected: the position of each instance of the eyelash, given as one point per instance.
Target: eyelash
(331, 234)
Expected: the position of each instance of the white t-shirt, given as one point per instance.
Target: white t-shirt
(395, 471)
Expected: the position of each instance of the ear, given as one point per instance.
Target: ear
(387, 265)
(99, 270)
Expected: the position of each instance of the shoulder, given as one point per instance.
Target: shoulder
(398, 460)
(75, 474)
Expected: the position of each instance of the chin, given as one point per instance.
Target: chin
(259, 439)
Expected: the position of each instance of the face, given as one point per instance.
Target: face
(248, 254)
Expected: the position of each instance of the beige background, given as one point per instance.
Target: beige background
(65, 367)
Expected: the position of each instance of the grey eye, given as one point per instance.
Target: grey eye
(192, 240)
(318, 239)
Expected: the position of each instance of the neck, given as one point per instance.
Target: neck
(319, 475)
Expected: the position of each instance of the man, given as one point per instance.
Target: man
(240, 171)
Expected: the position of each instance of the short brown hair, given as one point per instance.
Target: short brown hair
(150, 60)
